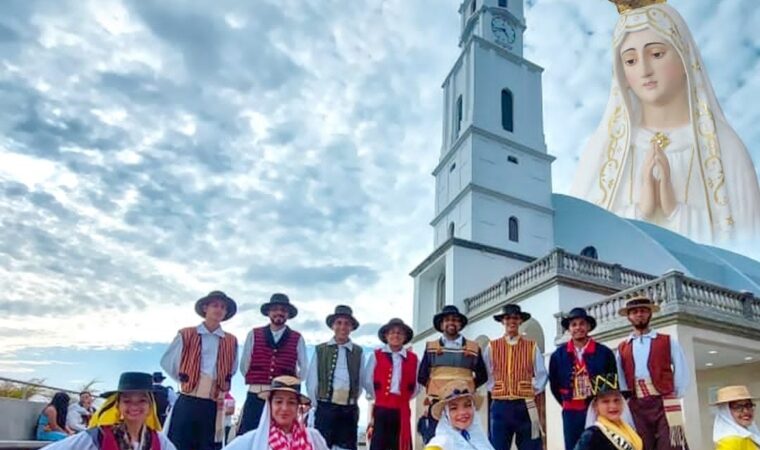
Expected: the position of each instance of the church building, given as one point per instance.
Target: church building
(501, 236)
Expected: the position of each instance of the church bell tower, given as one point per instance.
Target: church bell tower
(493, 210)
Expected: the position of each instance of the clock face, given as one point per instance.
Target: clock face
(503, 31)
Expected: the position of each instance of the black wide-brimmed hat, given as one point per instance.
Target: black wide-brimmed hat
(216, 295)
(395, 322)
(578, 313)
(282, 300)
(158, 377)
(511, 310)
(639, 301)
(342, 311)
(285, 383)
(448, 310)
(132, 382)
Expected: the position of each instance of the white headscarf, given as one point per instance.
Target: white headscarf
(729, 188)
(261, 435)
(725, 426)
(592, 416)
(451, 438)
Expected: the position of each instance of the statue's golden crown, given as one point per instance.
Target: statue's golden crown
(627, 5)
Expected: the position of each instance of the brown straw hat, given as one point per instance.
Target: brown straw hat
(453, 390)
(640, 301)
(285, 383)
(733, 394)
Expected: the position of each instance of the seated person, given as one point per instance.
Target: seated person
(280, 426)
(79, 413)
(51, 425)
(734, 427)
(458, 423)
(127, 420)
(609, 424)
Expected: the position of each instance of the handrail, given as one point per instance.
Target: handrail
(558, 262)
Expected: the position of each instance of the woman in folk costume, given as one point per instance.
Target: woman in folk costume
(609, 424)
(281, 427)
(664, 152)
(126, 421)
(459, 426)
(734, 427)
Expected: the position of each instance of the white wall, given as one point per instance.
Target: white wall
(472, 271)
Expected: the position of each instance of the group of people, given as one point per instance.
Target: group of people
(626, 399)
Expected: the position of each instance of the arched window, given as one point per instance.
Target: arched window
(459, 115)
(473, 6)
(451, 230)
(514, 232)
(503, 3)
(440, 293)
(590, 252)
(507, 110)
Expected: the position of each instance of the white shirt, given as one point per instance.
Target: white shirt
(74, 417)
(245, 358)
(540, 376)
(397, 358)
(455, 343)
(209, 350)
(641, 348)
(83, 441)
(340, 381)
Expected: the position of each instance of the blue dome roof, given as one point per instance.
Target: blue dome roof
(648, 248)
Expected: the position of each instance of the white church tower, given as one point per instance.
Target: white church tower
(493, 210)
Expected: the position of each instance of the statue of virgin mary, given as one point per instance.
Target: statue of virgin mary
(664, 152)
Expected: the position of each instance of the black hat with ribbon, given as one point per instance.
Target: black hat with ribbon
(216, 295)
(282, 300)
(578, 313)
(448, 310)
(511, 310)
(132, 382)
(395, 322)
(342, 311)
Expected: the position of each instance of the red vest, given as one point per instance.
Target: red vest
(108, 441)
(382, 379)
(270, 360)
(190, 360)
(659, 364)
(407, 386)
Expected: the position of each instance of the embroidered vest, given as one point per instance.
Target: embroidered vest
(512, 369)
(384, 373)
(448, 364)
(327, 359)
(659, 362)
(104, 439)
(269, 359)
(190, 361)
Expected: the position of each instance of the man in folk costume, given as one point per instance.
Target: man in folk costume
(334, 382)
(202, 359)
(391, 381)
(447, 358)
(651, 366)
(269, 352)
(572, 367)
(516, 374)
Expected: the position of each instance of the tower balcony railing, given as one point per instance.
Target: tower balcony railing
(557, 263)
(683, 298)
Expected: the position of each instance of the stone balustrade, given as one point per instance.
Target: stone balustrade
(556, 263)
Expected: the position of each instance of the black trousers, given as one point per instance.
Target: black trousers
(252, 409)
(338, 424)
(387, 430)
(193, 424)
(426, 425)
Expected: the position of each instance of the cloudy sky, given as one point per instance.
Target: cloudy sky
(151, 151)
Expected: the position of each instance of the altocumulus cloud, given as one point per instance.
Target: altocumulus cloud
(152, 151)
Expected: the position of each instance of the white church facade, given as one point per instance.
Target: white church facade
(501, 236)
